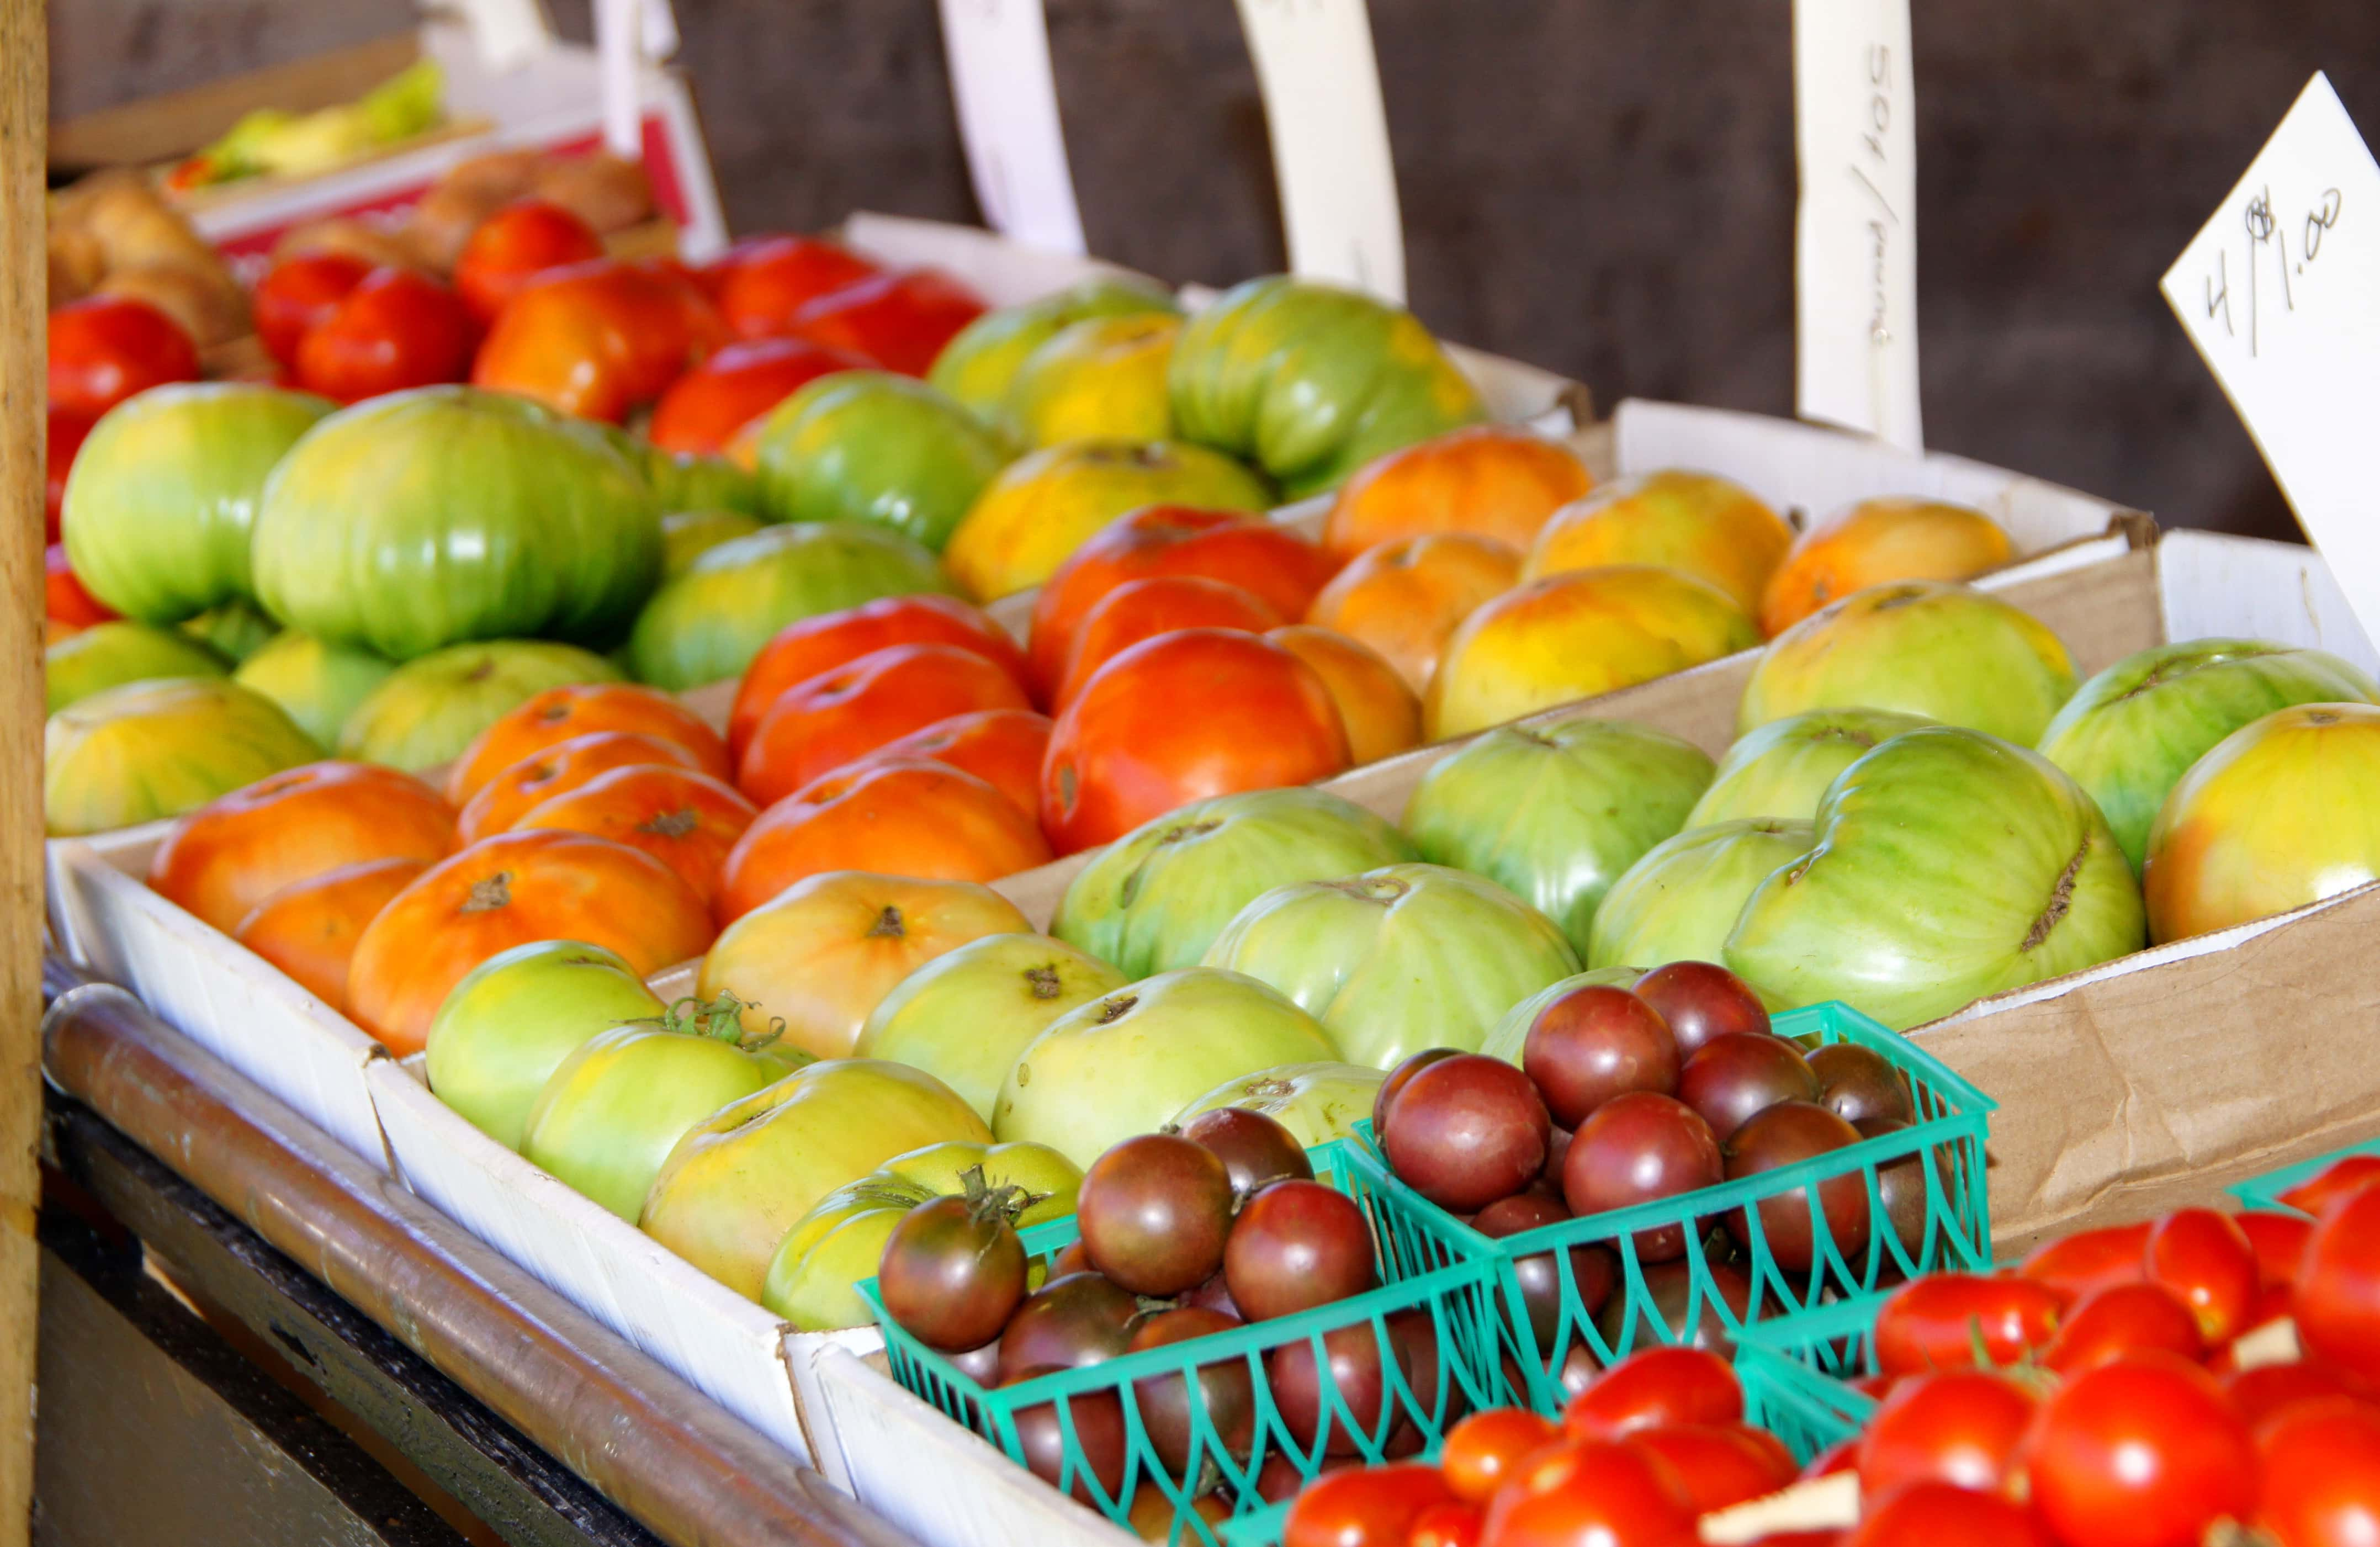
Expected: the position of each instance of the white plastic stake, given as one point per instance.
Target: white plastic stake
(1007, 100)
(619, 47)
(1855, 235)
(2281, 294)
(1329, 133)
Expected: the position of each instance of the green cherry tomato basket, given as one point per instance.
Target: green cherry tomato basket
(2262, 1194)
(1795, 1371)
(1955, 1236)
(1430, 1274)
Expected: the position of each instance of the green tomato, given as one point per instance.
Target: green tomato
(1397, 959)
(1681, 900)
(427, 711)
(1317, 1102)
(1156, 898)
(867, 445)
(235, 630)
(1554, 812)
(1780, 769)
(318, 684)
(429, 518)
(111, 654)
(1129, 1061)
(1511, 1032)
(687, 481)
(151, 749)
(743, 1176)
(2131, 732)
(975, 366)
(965, 1016)
(687, 535)
(164, 496)
(1310, 382)
(508, 1025)
(1947, 651)
(706, 625)
(1948, 865)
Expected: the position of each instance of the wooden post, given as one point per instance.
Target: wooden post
(24, 377)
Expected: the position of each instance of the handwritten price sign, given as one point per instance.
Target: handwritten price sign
(2280, 292)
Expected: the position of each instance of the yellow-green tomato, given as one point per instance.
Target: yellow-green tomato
(965, 1016)
(1681, 901)
(1781, 768)
(1317, 1102)
(316, 684)
(512, 1020)
(111, 654)
(687, 535)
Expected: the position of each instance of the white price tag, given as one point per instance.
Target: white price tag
(1855, 234)
(1329, 131)
(1007, 98)
(2281, 294)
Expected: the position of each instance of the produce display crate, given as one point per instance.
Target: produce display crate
(1952, 1128)
(2262, 1194)
(1426, 1271)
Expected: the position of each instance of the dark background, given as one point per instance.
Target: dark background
(1602, 187)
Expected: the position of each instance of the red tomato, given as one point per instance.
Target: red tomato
(1482, 1450)
(1934, 1322)
(1721, 1465)
(1141, 610)
(1375, 1506)
(105, 348)
(900, 320)
(1001, 747)
(1669, 1384)
(2279, 1241)
(396, 329)
(815, 645)
(1272, 563)
(763, 283)
(599, 338)
(2257, 1395)
(67, 601)
(703, 408)
(1606, 1496)
(514, 245)
(2119, 1320)
(2337, 1301)
(1198, 712)
(841, 716)
(299, 293)
(1937, 1515)
(2320, 1484)
(1448, 1524)
(2090, 1259)
(1961, 1427)
(2318, 1192)
(1841, 1456)
(67, 433)
(2204, 1257)
(2144, 1452)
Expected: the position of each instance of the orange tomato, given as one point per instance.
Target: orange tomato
(514, 245)
(764, 282)
(1407, 597)
(688, 821)
(1271, 562)
(105, 348)
(507, 891)
(1711, 528)
(1875, 541)
(309, 930)
(704, 409)
(63, 600)
(816, 645)
(899, 817)
(1141, 610)
(1379, 713)
(1175, 719)
(598, 339)
(300, 292)
(564, 766)
(1494, 479)
(1001, 747)
(900, 320)
(235, 852)
(395, 329)
(560, 714)
(819, 725)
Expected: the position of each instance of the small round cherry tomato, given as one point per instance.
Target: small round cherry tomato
(1448, 1524)
(2279, 1241)
(1935, 1322)
(2119, 1319)
(105, 348)
(1669, 1384)
(2337, 1301)
(2257, 1395)
(2204, 1257)
(1721, 1464)
(396, 329)
(2317, 1193)
(2320, 1484)
(1372, 1507)
(1611, 1495)
(1482, 1450)
(2090, 1259)
(1959, 1426)
(299, 293)
(2143, 1452)
(1938, 1514)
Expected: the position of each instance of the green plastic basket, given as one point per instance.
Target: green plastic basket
(1428, 1269)
(2262, 1194)
(1953, 1123)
